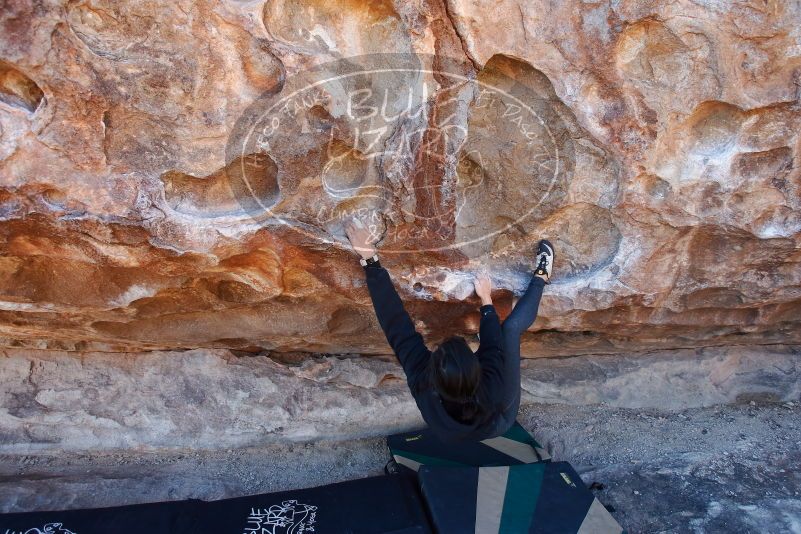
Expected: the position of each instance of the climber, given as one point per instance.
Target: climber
(461, 395)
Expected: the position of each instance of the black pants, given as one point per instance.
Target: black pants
(522, 317)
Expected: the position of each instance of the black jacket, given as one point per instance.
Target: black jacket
(414, 356)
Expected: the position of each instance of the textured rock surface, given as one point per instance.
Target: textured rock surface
(677, 215)
(656, 143)
(210, 399)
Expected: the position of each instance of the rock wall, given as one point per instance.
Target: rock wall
(52, 401)
(663, 163)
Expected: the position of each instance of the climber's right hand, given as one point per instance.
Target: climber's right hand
(483, 287)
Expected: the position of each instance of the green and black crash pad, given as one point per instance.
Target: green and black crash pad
(372, 505)
(542, 498)
(410, 450)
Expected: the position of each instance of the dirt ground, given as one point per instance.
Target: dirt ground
(729, 468)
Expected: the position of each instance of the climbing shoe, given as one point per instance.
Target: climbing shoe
(544, 260)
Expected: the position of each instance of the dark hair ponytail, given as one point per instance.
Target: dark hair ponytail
(456, 373)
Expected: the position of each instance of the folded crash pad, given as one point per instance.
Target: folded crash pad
(542, 498)
(412, 449)
(371, 505)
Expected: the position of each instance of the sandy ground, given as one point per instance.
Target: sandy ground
(732, 468)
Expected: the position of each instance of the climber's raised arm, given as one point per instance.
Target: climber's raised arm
(490, 337)
(398, 327)
(489, 332)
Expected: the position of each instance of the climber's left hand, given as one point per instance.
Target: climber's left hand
(361, 238)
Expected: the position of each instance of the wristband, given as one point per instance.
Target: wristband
(369, 261)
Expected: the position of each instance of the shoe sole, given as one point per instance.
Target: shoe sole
(544, 243)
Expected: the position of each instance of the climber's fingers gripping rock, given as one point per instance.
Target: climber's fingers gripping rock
(361, 238)
(483, 287)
